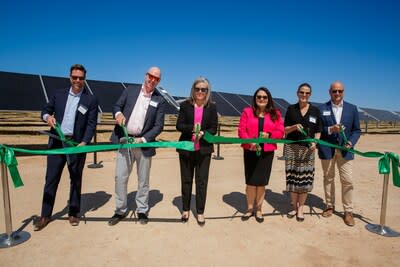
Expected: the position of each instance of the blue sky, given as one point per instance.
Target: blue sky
(237, 45)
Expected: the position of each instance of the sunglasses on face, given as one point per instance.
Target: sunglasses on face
(304, 93)
(81, 78)
(152, 77)
(337, 91)
(203, 90)
(262, 97)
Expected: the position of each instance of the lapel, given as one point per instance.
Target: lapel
(153, 100)
(333, 119)
(63, 103)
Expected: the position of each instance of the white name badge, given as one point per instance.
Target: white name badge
(82, 109)
(326, 113)
(153, 103)
(313, 119)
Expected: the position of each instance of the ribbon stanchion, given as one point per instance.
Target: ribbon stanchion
(218, 156)
(10, 238)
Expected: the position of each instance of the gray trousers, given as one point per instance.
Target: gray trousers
(125, 160)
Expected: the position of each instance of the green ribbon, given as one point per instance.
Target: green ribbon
(7, 154)
(258, 151)
(384, 161)
(63, 139)
(343, 135)
(8, 158)
(130, 140)
(197, 131)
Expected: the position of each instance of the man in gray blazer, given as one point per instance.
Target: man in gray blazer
(142, 112)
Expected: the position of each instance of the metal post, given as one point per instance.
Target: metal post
(95, 165)
(381, 229)
(9, 239)
(218, 157)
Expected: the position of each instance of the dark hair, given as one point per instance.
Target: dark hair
(306, 85)
(270, 108)
(77, 67)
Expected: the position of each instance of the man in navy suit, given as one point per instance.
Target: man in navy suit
(75, 109)
(142, 112)
(341, 126)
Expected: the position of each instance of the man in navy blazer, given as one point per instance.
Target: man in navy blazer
(75, 109)
(142, 112)
(341, 126)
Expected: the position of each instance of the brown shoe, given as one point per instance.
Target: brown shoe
(328, 212)
(74, 221)
(348, 218)
(41, 223)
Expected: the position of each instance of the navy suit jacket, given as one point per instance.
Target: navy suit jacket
(349, 120)
(154, 120)
(85, 124)
(185, 124)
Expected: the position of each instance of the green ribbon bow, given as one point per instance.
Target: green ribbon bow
(8, 158)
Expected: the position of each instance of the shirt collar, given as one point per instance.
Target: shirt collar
(73, 94)
(340, 105)
(145, 94)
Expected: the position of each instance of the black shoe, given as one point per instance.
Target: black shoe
(291, 214)
(299, 219)
(201, 222)
(116, 218)
(185, 218)
(247, 215)
(260, 219)
(142, 217)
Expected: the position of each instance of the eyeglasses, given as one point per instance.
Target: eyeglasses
(81, 78)
(304, 93)
(152, 77)
(262, 97)
(337, 91)
(203, 90)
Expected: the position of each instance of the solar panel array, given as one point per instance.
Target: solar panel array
(35, 89)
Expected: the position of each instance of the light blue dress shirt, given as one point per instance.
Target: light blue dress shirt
(67, 125)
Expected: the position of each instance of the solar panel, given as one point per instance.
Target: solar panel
(238, 102)
(21, 92)
(107, 93)
(51, 84)
(224, 107)
(382, 115)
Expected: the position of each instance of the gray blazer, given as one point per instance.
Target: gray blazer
(154, 120)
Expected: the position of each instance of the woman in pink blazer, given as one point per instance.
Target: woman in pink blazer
(261, 119)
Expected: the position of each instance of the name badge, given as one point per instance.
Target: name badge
(326, 113)
(153, 103)
(313, 119)
(82, 109)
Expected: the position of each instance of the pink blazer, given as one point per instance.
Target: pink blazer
(248, 127)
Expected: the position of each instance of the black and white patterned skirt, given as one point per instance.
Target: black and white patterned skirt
(299, 167)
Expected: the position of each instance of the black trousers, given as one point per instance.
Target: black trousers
(194, 163)
(55, 166)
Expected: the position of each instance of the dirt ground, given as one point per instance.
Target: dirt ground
(225, 240)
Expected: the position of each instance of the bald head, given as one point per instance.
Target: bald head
(336, 92)
(152, 78)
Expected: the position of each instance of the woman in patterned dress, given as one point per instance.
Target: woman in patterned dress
(302, 120)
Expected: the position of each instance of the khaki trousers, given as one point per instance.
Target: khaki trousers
(345, 168)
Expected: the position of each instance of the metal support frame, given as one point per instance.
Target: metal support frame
(10, 238)
(380, 228)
